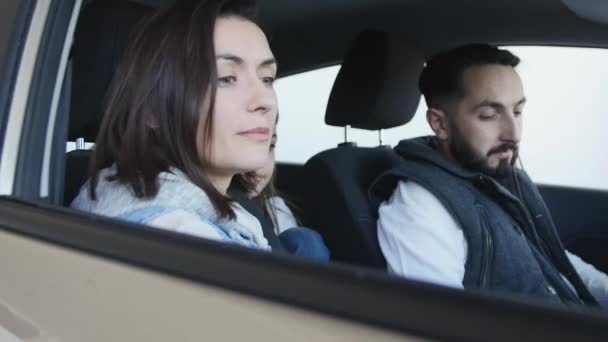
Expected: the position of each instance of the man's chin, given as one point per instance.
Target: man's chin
(503, 169)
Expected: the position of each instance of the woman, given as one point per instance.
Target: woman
(191, 108)
(297, 240)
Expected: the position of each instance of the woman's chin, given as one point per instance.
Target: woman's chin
(250, 165)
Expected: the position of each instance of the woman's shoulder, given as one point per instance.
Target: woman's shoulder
(114, 198)
(177, 190)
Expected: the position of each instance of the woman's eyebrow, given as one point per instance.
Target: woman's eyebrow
(240, 61)
(230, 57)
(268, 62)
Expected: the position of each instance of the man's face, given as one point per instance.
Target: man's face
(484, 129)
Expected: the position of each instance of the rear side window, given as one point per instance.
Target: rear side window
(564, 119)
(302, 130)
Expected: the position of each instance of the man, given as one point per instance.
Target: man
(457, 212)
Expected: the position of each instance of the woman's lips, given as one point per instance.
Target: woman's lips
(258, 134)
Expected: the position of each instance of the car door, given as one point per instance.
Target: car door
(69, 276)
(582, 220)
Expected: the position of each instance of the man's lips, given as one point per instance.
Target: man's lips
(258, 133)
(508, 154)
(503, 152)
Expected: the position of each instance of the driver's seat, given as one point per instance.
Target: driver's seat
(376, 88)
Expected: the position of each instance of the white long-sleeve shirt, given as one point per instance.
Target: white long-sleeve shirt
(420, 240)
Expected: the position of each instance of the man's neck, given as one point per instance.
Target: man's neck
(443, 148)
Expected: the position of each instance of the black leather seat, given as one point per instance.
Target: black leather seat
(376, 88)
(100, 40)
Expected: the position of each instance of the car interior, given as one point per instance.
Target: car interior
(381, 44)
(387, 59)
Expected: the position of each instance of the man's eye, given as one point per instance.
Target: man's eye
(486, 117)
(226, 81)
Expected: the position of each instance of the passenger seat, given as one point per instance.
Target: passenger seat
(99, 42)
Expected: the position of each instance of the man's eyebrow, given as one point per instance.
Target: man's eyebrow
(496, 105)
(488, 103)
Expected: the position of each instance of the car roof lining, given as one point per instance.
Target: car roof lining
(592, 10)
(310, 34)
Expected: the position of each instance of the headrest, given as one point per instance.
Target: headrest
(377, 85)
(99, 42)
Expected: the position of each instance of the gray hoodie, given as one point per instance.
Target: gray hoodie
(179, 206)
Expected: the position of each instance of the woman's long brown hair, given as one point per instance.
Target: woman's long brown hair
(163, 87)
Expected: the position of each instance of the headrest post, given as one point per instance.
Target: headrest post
(380, 137)
(346, 133)
(80, 144)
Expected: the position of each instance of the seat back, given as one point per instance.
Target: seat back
(376, 88)
(337, 203)
(100, 40)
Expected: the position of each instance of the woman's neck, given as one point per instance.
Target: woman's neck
(220, 182)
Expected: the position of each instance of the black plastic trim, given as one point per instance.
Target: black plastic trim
(33, 135)
(12, 58)
(60, 136)
(363, 295)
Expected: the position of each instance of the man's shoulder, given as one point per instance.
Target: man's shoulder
(413, 195)
(415, 190)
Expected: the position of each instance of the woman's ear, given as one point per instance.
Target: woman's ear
(438, 121)
(152, 121)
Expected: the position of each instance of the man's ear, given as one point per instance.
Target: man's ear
(438, 121)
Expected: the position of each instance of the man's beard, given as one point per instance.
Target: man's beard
(470, 159)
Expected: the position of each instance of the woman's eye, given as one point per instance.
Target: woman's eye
(226, 81)
(268, 80)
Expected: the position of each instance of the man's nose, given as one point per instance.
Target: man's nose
(511, 128)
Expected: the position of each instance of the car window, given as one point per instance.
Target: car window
(564, 122)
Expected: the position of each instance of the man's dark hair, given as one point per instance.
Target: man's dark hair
(158, 97)
(441, 80)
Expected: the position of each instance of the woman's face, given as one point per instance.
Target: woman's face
(245, 104)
